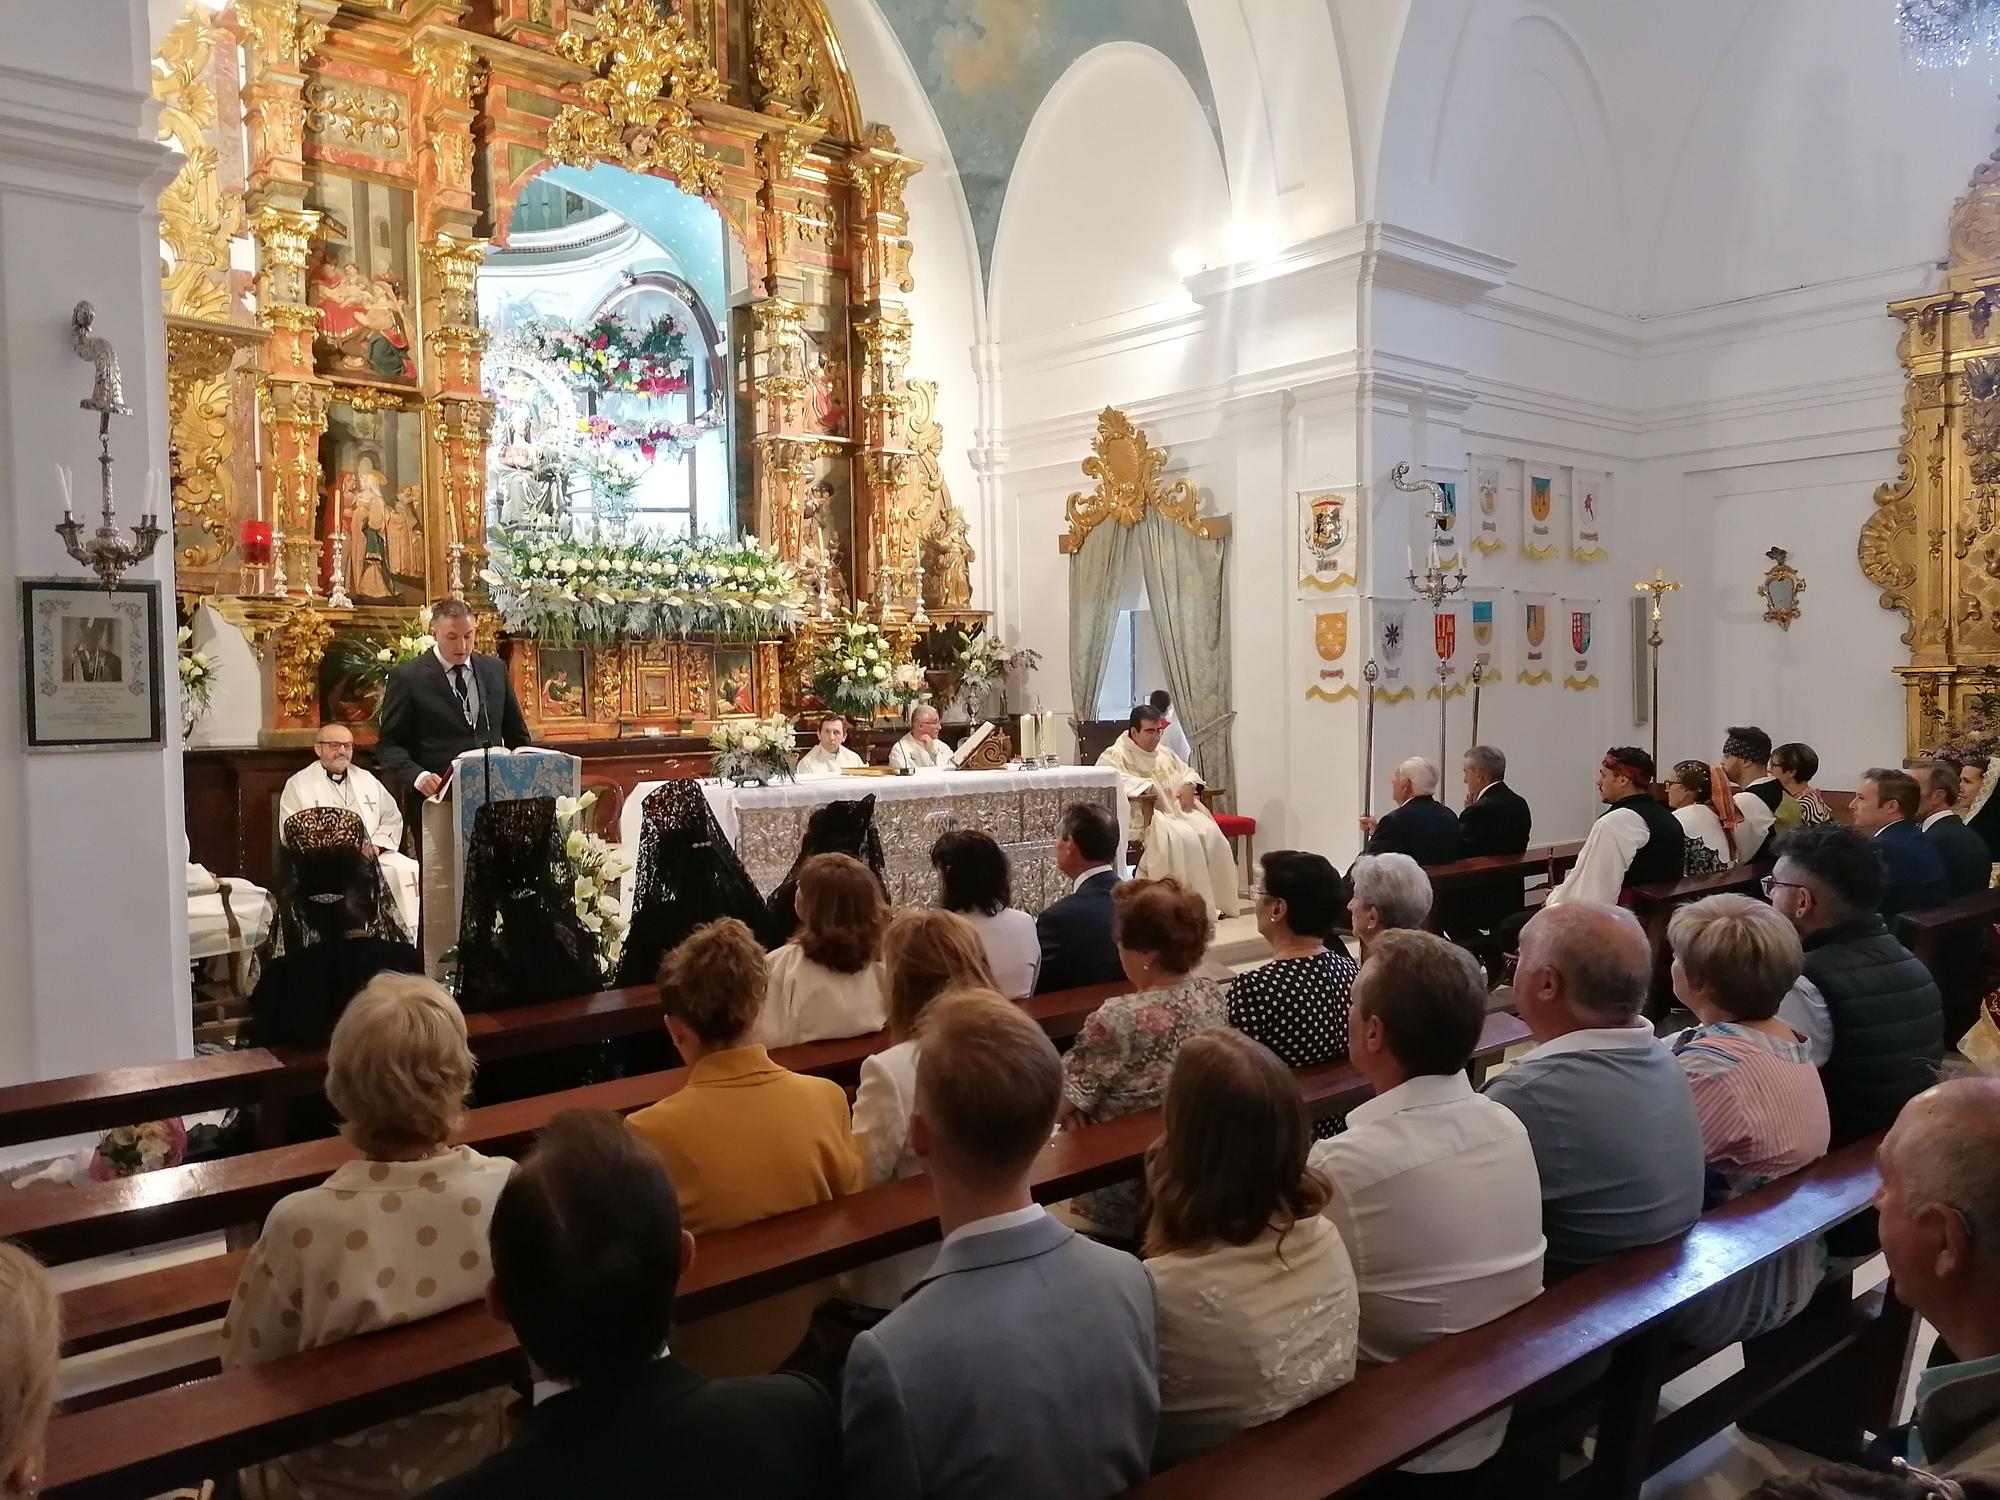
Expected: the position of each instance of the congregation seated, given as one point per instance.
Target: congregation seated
(1617, 1144)
(1699, 797)
(1256, 1295)
(1756, 1092)
(685, 874)
(1636, 842)
(846, 826)
(1121, 1059)
(1391, 891)
(921, 749)
(1746, 762)
(1885, 809)
(1495, 820)
(588, 1247)
(398, 1235)
(1074, 933)
(744, 1138)
(827, 981)
(924, 954)
(1793, 766)
(1866, 1005)
(974, 880)
(1435, 1190)
(30, 1348)
(1968, 867)
(1419, 825)
(520, 940)
(1026, 1362)
(1297, 1003)
(335, 944)
(1179, 836)
(830, 756)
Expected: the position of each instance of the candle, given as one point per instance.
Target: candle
(62, 478)
(255, 545)
(1027, 737)
(1046, 734)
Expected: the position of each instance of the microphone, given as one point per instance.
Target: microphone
(485, 732)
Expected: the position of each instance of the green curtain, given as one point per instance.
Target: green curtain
(1187, 581)
(1096, 574)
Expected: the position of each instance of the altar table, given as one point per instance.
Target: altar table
(1021, 809)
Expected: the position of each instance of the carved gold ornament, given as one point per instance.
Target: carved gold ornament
(300, 643)
(625, 118)
(196, 216)
(1780, 589)
(345, 114)
(286, 32)
(785, 60)
(1127, 471)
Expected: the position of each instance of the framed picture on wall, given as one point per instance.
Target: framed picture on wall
(92, 674)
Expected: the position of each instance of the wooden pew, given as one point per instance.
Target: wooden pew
(1337, 1445)
(209, 1425)
(202, 1197)
(1550, 860)
(1925, 933)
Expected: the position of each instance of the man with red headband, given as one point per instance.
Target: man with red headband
(1636, 842)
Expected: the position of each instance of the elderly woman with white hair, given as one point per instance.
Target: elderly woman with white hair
(1390, 890)
(399, 1234)
(30, 1344)
(921, 749)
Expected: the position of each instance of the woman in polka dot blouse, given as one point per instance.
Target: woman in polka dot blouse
(1297, 1004)
(398, 1235)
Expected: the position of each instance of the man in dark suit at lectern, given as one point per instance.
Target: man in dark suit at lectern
(446, 702)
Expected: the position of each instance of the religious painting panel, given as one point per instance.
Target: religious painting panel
(1590, 493)
(1329, 528)
(372, 464)
(1581, 642)
(696, 683)
(735, 683)
(362, 280)
(1539, 638)
(560, 684)
(1390, 646)
(1496, 486)
(1538, 510)
(1487, 615)
(1333, 672)
(1451, 529)
(92, 665)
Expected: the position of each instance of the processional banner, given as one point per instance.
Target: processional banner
(1589, 492)
(1582, 641)
(1392, 652)
(1494, 482)
(1538, 525)
(1329, 538)
(1333, 673)
(1486, 615)
(1452, 526)
(1451, 643)
(1538, 639)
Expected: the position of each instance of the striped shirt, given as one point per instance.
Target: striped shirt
(1813, 808)
(1763, 1115)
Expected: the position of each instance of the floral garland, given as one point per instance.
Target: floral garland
(609, 354)
(650, 438)
(640, 588)
(593, 867)
(758, 750)
(854, 670)
(197, 669)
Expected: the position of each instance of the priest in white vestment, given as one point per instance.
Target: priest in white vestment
(921, 749)
(830, 756)
(333, 780)
(1181, 838)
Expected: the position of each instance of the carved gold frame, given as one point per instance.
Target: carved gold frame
(1127, 470)
(1780, 570)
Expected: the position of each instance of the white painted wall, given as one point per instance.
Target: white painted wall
(92, 918)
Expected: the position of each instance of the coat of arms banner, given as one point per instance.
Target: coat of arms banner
(1486, 616)
(1451, 531)
(1329, 538)
(1589, 493)
(1333, 671)
(1539, 639)
(1581, 642)
(1394, 651)
(1494, 483)
(1538, 509)
(1451, 640)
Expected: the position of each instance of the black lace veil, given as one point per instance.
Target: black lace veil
(687, 875)
(328, 886)
(843, 827)
(519, 941)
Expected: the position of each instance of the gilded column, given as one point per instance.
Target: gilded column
(886, 534)
(783, 454)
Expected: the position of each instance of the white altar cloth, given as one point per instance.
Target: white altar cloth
(1019, 808)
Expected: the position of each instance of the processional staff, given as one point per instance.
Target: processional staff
(1658, 585)
(1369, 672)
(1478, 677)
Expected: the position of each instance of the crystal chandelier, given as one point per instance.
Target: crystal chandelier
(1943, 34)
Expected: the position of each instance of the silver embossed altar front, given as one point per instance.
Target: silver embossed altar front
(1021, 809)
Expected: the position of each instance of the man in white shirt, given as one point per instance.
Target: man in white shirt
(1638, 842)
(921, 749)
(1746, 761)
(333, 780)
(1436, 1194)
(1173, 734)
(830, 756)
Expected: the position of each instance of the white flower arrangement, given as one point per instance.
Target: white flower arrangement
(982, 661)
(197, 669)
(854, 669)
(594, 867)
(754, 749)
(641, 588)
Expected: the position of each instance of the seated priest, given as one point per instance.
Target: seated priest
(1636, 841)
(1180, 837)
(830, 756)
(333, 780)
(921, 749)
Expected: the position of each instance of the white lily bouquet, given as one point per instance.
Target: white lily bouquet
(197, 669)
(982, 662)
(854, 670)
(594, 866)
(754, 751)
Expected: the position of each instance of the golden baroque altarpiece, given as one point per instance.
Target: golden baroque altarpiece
(303, 122)
(1932, 544)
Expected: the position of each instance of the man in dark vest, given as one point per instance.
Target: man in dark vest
(1767, 811)
(1636, 842)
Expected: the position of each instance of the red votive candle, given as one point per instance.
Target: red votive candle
(255, 544)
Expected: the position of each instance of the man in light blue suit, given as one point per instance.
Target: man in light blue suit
(1026, 1362)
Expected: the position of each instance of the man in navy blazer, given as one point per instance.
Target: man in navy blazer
(1421, 826)
(447, 701)
(1496, 820)
(1026, 1362)
(1968, 864)
(1075, 932)
(1885, 805)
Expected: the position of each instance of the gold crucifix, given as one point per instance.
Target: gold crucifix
(1659, 584)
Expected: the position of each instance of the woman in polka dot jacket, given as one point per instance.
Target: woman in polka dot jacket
(399, 1235)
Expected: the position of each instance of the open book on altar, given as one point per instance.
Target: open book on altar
(971, 743)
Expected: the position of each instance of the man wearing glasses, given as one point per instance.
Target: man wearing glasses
(333, 780)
